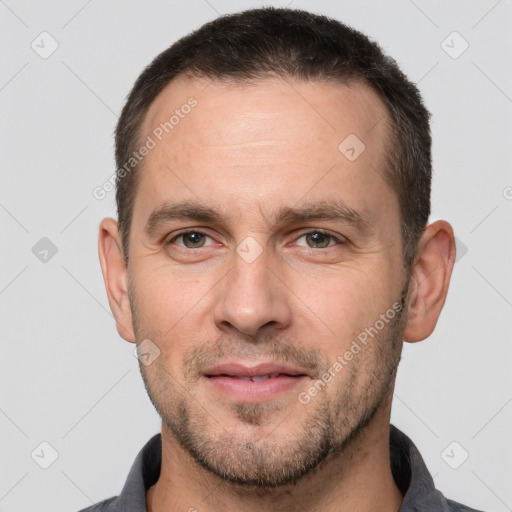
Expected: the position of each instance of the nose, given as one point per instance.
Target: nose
(252, 297)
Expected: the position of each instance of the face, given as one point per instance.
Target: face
(265, 263)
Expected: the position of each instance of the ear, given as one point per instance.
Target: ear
(430, 278)
(115, 275)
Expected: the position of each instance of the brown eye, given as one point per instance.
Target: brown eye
(318, 239)
(191, 239)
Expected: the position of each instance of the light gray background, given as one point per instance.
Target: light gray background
(68, 379)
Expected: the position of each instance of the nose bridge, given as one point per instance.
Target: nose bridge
(252, 296)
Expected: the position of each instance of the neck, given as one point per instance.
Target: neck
(358, 478)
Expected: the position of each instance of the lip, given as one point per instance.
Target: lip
(233, 380)
(240, 370)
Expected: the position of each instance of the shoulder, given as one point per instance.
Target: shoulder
(453, 506)
(109, 505)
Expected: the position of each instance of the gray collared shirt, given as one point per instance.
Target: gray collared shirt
(409, 471)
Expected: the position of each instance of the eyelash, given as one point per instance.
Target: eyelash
(321, 231)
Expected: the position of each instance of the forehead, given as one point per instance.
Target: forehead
(271, 139)
(324, 106)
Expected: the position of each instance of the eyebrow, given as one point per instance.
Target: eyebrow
(309, 212)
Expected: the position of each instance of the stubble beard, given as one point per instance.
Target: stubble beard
(275, 458)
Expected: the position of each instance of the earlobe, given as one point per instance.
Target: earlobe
(115, 276)
(430, 280)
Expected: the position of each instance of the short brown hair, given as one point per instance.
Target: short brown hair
(291, 43)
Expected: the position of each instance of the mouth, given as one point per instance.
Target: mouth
(256, 378)
(259, 383)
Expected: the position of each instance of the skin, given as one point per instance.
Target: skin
(248, 150)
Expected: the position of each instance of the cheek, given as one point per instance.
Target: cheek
(344, 305)
(167, 298)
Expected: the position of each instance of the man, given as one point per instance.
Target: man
(271, 255)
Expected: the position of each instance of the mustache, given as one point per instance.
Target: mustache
(270, 348)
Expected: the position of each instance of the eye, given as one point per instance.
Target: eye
(190, 239)
(318, 239)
